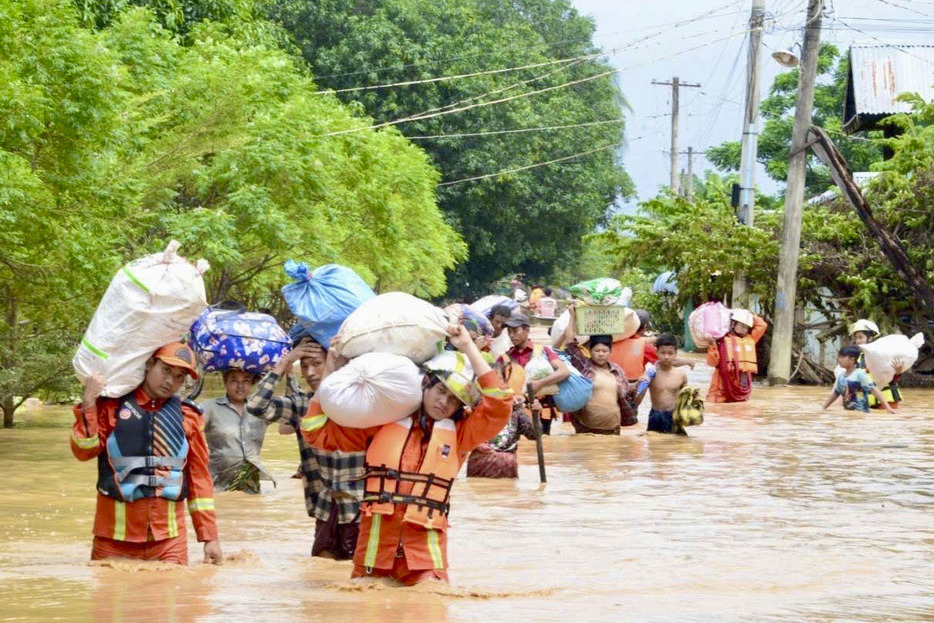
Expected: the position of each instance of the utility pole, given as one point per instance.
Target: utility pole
(675, 85)
(747, 165)
(786, 291)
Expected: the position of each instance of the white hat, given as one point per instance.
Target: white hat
(867, 326)
(743, 316)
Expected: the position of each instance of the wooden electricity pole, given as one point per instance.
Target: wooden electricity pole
(787, 288)
(675, 85)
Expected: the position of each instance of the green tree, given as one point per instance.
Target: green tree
(530, 221)
(777, 113)
(114, 141)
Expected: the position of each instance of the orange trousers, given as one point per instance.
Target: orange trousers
(400, 572)
(167, 550)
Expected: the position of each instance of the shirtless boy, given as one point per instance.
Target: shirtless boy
(663, 386)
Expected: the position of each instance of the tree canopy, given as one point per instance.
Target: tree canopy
(115, 140)
(530, 221)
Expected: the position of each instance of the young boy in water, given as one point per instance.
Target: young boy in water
(663, 385)
(854, 384)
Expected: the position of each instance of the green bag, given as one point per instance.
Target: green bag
(689, 409)
(603, 291)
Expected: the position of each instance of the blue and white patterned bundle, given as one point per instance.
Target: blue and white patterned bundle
(237, 339)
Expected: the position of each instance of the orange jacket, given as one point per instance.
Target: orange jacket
(162, 518)
(716, 393)
(423, 549)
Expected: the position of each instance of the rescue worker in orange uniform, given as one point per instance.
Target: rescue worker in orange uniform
(151, 457)
(411, 464)
(734, 358)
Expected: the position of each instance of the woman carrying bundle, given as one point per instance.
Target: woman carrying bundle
(609, 407)
(734, 358)
(411, 464)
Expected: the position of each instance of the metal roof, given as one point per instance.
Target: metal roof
(880, 73)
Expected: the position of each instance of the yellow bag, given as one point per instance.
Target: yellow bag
(689, 410)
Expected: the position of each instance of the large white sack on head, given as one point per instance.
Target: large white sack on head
(150, 302)
(396, 323)
(708, 323)
(371, 390)
(891, 355)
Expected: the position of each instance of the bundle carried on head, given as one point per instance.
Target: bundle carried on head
(150, 302)
(228, 337)
(322, 299)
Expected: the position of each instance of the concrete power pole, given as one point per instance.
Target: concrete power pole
(786, 291)
(675, 85)
(747, 166)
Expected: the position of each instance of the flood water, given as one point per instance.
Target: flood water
(771, 510)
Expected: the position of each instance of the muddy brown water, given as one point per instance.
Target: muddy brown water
(771, 510)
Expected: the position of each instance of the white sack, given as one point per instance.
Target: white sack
(396, 323)
(485, 305)
(500, 345)
(150, 302)
(891, 355)
(371, 390)
(538, 368)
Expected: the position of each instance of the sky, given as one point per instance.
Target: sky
(704, 41)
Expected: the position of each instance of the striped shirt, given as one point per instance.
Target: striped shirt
(330, 478)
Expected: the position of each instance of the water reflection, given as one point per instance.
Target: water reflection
(772, 509)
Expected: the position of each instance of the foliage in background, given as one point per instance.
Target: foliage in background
(114, 141)
(777, 113)
(529, 222)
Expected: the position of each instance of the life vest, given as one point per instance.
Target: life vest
(427, 504)
(145, 455)
(741, 353)
(629, 354)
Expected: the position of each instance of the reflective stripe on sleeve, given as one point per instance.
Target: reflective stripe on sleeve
(496, 392)
(86, 443)
(200, 504)
(314, 422)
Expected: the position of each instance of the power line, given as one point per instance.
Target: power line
(904, 8)
(518, 131)
(880, 41)
(536, 165)
(458, 76)
(520, 95)
(703, 16)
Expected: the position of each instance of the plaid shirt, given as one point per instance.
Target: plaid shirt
(330, 478)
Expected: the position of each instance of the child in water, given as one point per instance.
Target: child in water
(663, 383)
(854, 384)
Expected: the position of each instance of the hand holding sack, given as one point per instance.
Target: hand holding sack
(574, 392)
(891, 355)
(228, 337)
(322, 299)
(372, 390)
(708, 323)
(150, 302)
(395, 323)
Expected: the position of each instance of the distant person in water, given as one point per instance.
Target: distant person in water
(733, 358)
(854, 384)
(663, 382)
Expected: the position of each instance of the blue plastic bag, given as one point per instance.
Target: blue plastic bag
(573, 393)
(228, 337)
(322, 299)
